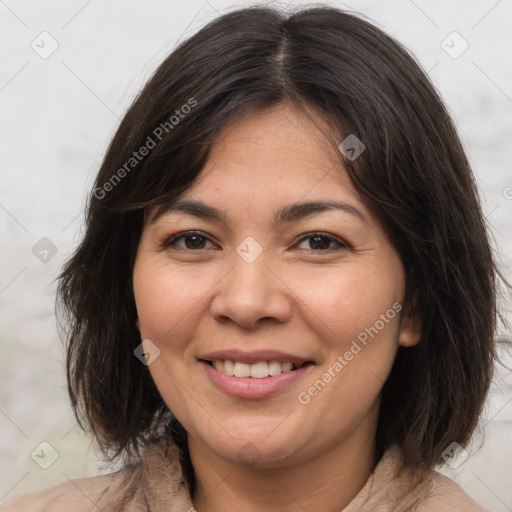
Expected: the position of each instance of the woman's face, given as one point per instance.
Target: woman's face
(251, 285)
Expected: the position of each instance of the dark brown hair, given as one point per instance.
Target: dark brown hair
(413, 170)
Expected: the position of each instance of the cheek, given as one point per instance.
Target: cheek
(355, 315)
(166, 298)
(343, 303)
(167, 301)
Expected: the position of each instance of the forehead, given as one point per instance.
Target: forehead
(279, 151)
(275, 165)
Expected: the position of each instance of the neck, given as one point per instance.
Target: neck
(325, 483)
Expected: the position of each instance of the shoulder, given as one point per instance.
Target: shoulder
(80, 495)
(445, 495)
(155, 479)
(394, 488)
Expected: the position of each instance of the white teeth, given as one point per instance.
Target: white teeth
(258, 370)
(286, 367)
(274, 368)
(242, 370)
(229, 367)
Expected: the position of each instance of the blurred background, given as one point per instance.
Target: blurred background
(69, 71)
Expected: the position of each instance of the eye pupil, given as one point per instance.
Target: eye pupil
(196, 244)
(314, 239)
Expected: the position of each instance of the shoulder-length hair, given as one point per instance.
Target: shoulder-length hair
(413, 170)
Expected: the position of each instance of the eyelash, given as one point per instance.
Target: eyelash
(170, 242)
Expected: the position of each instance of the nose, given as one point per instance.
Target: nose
(251, 294)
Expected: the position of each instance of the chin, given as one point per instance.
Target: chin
(263, 448)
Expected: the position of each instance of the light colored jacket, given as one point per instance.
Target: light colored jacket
(157, 485)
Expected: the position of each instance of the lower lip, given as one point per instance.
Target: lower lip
(249, 387)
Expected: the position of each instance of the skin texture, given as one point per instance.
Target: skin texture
(296, 296)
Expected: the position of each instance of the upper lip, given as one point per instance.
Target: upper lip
(254, 356)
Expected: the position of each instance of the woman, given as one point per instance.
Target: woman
(285, 297)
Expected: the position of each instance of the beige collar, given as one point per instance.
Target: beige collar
(158, 485)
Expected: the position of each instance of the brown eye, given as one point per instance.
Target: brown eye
(193, 240)
(321, 242)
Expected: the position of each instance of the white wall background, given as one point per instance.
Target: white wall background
(58, 114)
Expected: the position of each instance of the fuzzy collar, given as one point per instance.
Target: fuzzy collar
(158, 484)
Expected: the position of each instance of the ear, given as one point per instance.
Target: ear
(137, 324)
(410, 326)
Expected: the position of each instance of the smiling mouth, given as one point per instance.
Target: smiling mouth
(259, 370)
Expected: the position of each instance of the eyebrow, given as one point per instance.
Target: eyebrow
(287, 214)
